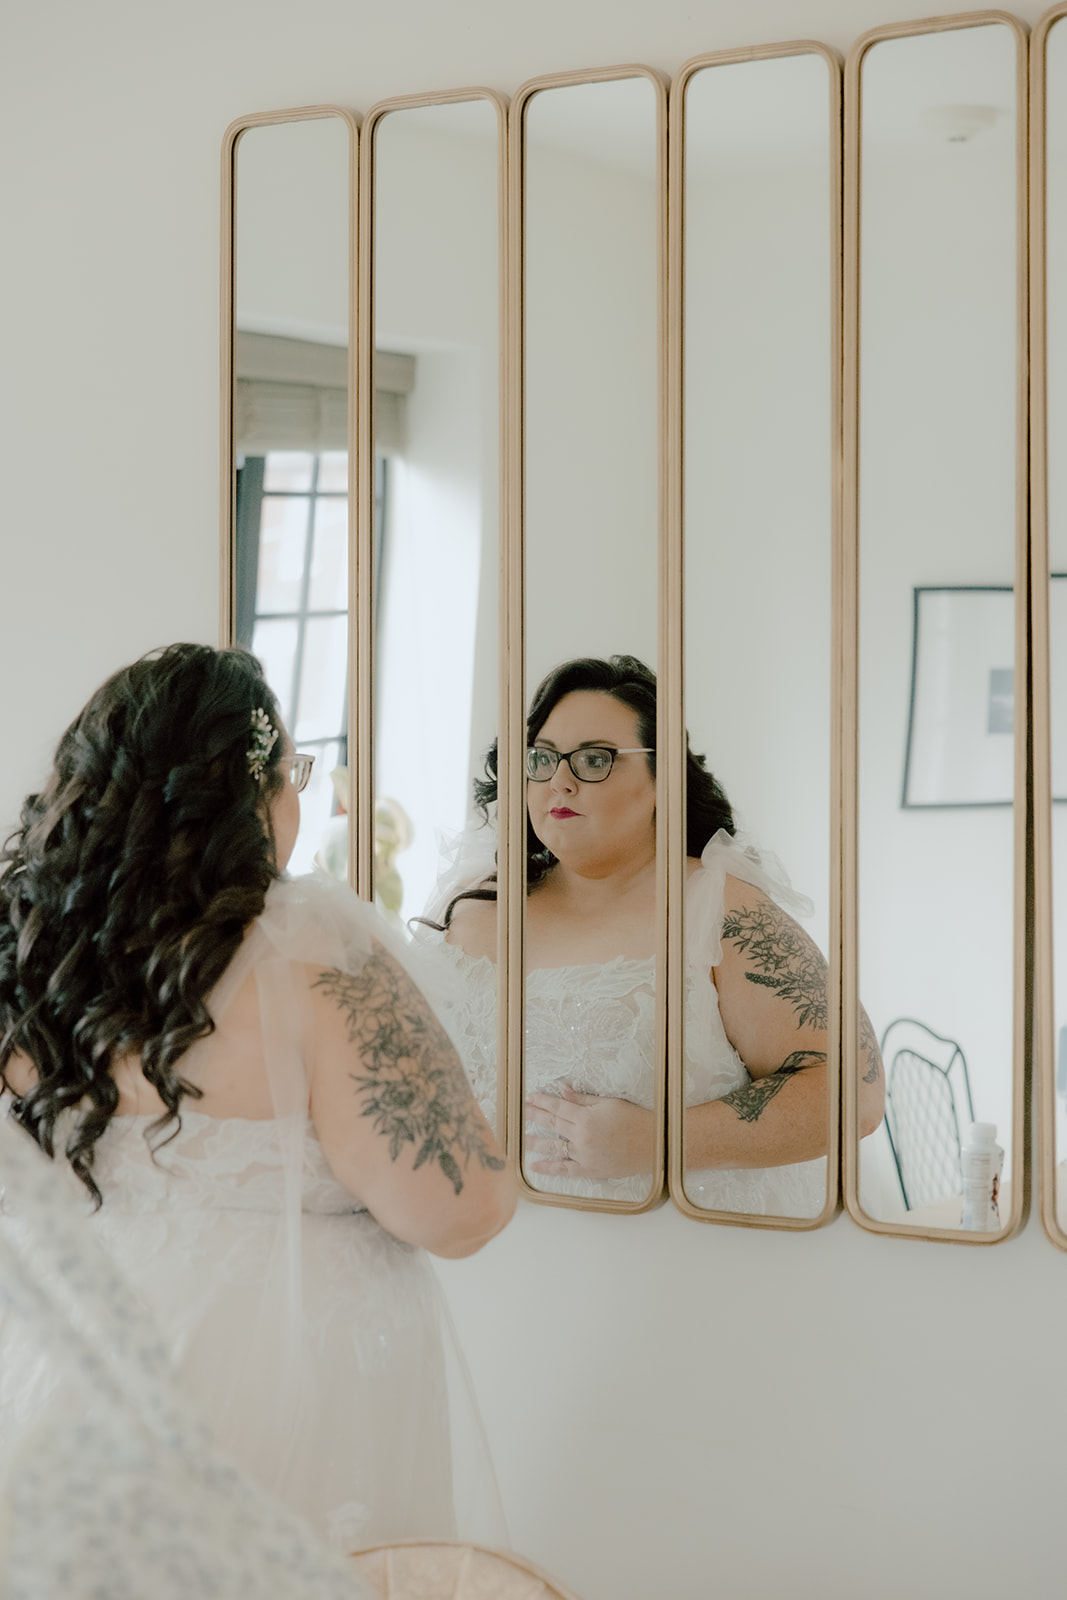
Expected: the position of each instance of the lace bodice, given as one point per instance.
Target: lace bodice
(215, 1163)
(592, 1027)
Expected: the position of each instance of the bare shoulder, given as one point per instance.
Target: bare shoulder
(737, 894)
(473, 927)
(749, 912)
(20, 1074)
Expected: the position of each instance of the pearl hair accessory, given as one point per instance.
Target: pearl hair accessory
(264, 738)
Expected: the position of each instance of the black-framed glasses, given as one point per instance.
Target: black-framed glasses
(591, 764)
(299, 769)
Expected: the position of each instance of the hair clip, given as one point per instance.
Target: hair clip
(264, 738)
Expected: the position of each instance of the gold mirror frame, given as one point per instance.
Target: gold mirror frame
(673, 677)
(362, 856)
(671, 778)
(1020, 1197)
(1044, 989)
(227, 317)
(513, 767)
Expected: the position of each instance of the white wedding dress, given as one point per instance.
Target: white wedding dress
(109, 1483)
(592, 1027)
(313, 1344)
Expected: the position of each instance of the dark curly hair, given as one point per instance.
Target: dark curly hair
(129, 884)
(628, 680)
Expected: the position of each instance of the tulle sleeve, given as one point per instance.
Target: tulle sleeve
(707, 885)
(705, 894)
(468, 858)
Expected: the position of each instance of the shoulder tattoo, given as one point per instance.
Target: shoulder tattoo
(412, 1083)
(869, 1049)
(751, 1100)
(781, 957)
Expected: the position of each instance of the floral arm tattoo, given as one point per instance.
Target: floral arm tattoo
(751, 1100)
(782, 958)
(412, 1084)
(869, 1049)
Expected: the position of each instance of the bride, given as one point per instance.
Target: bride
(756, 1023)
(239, 1072)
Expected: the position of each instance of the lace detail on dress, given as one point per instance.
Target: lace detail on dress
(593, 1027)
(355, 1435)
(227, 1163)
(111, 1485)
(466, 1004)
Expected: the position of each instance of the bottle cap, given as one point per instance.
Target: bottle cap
(983, 1133)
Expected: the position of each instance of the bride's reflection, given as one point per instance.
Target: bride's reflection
(756, 1023)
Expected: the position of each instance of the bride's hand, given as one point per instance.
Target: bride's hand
(592, 1137)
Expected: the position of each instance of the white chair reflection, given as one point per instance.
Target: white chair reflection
(928, 1090)
(421, 1569)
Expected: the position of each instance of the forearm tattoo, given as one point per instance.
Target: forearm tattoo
(751, 1100)
(412, 1084)
(869, 1049)
(782, 958)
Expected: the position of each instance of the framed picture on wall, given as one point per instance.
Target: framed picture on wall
(961, 750)
(961, 719)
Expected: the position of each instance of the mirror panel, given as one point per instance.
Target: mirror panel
(285, 589)
(432, 511)
(591, 241)
(939, 151)
(435, 415)
(1049, 242)
(758, 183)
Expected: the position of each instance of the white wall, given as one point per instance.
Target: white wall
(937, 508)
(758, 453)
(590, 423)
(291, 230)
(678, 1410)
(437, 296)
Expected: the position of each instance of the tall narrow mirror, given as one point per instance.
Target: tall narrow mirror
(1050, 599)
(591, 240)
(756, 173)
(432, 505)
(938, 239)
(287, 340)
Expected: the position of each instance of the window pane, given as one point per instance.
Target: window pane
(288, 470)
(322, 684)
(275, 645)
(328, 590)
(333, 472)
(323, 838)
(282, 541)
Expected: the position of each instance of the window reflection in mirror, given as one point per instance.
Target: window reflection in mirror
(761, 246)
(291, 289)
(940, 699)
(592, 240)
(436, 305)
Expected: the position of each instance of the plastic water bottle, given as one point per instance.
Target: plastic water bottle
(981, 1163)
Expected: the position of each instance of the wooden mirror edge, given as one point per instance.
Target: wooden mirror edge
(1043, 986)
